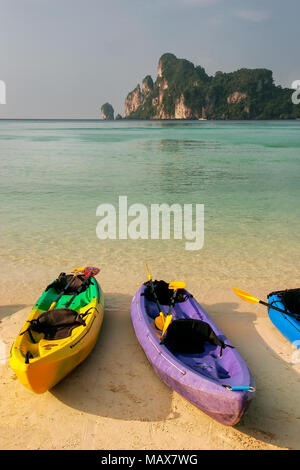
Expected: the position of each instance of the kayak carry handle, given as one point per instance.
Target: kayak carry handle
(239, 388)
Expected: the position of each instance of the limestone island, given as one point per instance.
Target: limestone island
(185, 91)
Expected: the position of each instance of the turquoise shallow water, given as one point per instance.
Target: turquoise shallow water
(54, 174)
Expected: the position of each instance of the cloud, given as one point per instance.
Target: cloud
(255, 16)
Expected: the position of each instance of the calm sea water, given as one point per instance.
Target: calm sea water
(54, 174)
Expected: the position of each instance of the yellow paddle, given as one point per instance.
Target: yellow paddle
(253, 300)
(245, 296)
(76, 272)
(159, 321)
(175, 285)
(167, 322)
(162, 322)
(148, 272)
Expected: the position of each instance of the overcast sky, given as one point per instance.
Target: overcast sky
(65, 58)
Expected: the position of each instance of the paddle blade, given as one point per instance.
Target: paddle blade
(148, 272)
(160, 321)
(78, 270)
(168, 320)
(177, 285)
(91, 271)
(245, 296)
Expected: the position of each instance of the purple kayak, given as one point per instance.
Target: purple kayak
(222, 387)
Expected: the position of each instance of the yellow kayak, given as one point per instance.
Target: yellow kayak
(42, 360)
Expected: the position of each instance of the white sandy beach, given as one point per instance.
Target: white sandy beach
(114, 400)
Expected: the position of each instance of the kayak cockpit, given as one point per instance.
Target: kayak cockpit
(223, 367)
(32, 345)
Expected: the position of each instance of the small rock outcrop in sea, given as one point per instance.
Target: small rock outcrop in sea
(118, 117)
(107, 112)
(185, 91)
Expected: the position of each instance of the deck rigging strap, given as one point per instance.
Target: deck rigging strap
(183, 372)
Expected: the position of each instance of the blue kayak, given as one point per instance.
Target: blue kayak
(286, 324)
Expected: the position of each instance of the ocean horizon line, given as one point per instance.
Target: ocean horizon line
(151, 120)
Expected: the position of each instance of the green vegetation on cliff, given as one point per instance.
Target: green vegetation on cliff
(182, 90)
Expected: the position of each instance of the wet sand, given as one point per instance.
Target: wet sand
(114, 400)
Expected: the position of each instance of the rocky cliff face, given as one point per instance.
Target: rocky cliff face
(183, 91)
(107, 112)
(147, 86)
(164, 99)
(236, 97)
(136, 98)
(181, 110)
(133, 101)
